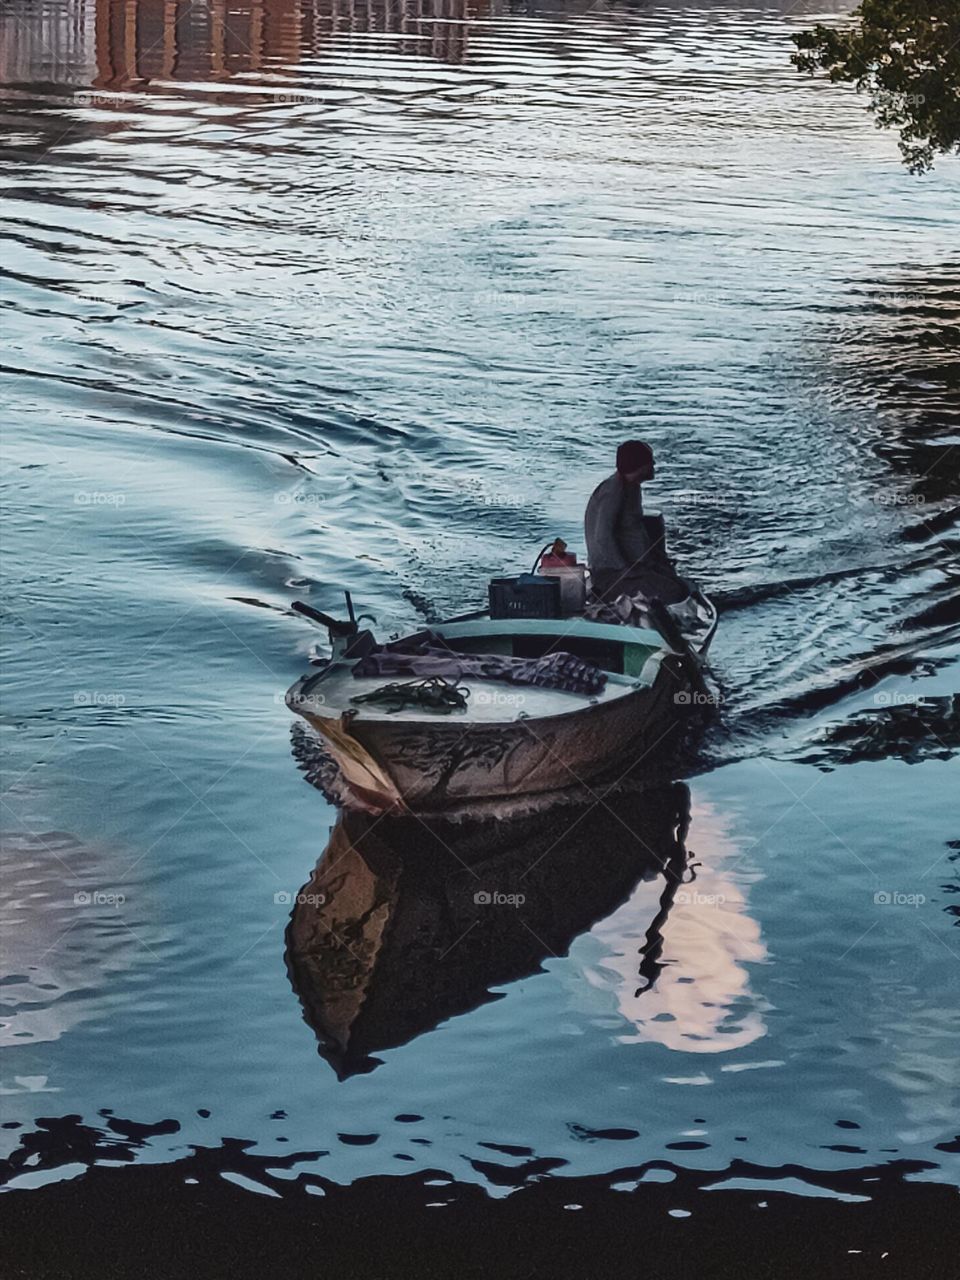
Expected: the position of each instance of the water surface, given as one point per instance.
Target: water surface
(302, 297)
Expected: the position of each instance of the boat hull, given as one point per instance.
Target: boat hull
(397, 766)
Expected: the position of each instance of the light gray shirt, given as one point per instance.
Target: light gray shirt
(613, 525)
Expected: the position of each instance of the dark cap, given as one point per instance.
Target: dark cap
(633, 455)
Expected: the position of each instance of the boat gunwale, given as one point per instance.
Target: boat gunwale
(477, 628)
(635, 688)
(584, 627)
(301, 690)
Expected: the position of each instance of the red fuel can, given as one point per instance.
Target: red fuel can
(564, 561)
(560, 563)
(558, 557)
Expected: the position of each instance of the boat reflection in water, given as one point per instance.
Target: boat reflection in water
(402, 925)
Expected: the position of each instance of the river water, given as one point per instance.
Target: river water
(302, 296)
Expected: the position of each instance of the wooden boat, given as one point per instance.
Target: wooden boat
(510, 740)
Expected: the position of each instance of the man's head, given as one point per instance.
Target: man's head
(635, 462)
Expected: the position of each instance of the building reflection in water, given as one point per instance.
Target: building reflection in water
(139, 41)
(127, 44)
(48, 43)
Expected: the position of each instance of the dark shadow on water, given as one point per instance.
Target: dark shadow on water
(196, 1216)
(403, 925)
(914, 730)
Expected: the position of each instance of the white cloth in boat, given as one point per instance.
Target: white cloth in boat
(422, 659)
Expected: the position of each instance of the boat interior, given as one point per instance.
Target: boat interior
(624, 653)
(617, 650)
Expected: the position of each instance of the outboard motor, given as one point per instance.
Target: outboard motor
(347, 640)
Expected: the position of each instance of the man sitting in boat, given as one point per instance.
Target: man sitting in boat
(625, 548)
